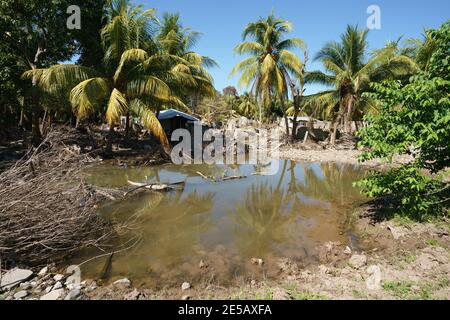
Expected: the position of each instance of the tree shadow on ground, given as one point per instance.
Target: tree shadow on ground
(380, 209)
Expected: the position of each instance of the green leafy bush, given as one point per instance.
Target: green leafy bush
(418, 196)
(414, 119)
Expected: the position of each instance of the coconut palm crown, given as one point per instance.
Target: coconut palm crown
(270, 62)
(349, 70)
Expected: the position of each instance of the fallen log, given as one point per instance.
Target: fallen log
(153, 186)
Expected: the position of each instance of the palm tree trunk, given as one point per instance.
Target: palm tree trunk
(127, 126)
(310, 128)
(294, 123)
(286, 123)
(21, 118)
(347, 126)
(348, 115)
(286, 119)
(260, 115)
(109, 139)
(334, 132)
(294, 128)
(295, 99)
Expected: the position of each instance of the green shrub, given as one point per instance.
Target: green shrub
(413, 119)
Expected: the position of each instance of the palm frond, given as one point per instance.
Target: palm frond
(129, 59)
(293, 43)
(249, 48)
(150, 120)
(117, 106)
(87, 95)
(146, 85)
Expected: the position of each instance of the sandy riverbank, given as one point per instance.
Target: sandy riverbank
(347, 156)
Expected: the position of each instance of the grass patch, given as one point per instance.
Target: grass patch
(405, 290)
(238, 296)
(358, 294)
(264, 294)
(297, 294)
(403, 221)
(432, 243)
(410, 258)
(399, 289)
(305, 295)
(423, 294)
(443, 282)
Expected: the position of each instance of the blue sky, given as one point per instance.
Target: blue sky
(221, 23)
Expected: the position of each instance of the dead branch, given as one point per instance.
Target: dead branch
(46, 210)
(152, 186)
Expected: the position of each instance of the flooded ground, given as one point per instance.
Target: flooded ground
(210, 231)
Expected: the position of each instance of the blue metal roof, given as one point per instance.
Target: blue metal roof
(172, 113)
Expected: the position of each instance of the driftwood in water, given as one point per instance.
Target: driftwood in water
(153, 186)
(214, 179)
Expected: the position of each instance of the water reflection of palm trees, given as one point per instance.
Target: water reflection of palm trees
(328, 182)
(267, 215)
(263, 219)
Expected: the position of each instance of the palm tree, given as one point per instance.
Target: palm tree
(420, 49)
(121, 38)
(177, 40)
(270, 63)
(349, 73)
(137, 76)
(247, 105)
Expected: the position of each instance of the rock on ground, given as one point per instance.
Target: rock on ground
(57, 286)
(185, 286)
(14, 277)
(73, 294)
(123, 282)
(58, 277)
(426, 262)
(43, 272)
(374, 280)
(21, 294)
(358, 261)
(134, 295)
(53, 295)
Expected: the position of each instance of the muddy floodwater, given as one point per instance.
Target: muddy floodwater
(209, 231)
